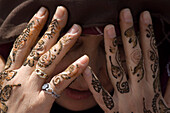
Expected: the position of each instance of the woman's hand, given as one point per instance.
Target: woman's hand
(23, 87)
(136, 90)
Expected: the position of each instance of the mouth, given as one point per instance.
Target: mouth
(77, 94)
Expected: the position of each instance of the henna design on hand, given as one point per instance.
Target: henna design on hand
(162, 107)
(154, 102)
(8, 63)
(53, 28)
(130, 33)
(67, 74)
(20, 41)
(3, 107)
(5, 95)
(153, 55)
(144, 108)
(96, 84)
(117, 72)
(108, 100)
(114, 43)
(46, 59)
(35, 54)
(139, 69)
(39, 49)
(6, 75)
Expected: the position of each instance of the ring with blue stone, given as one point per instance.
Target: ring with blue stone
(47, 88)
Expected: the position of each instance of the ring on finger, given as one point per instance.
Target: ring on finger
(47, 88)
(41, 74)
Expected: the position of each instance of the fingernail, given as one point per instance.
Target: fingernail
(146, 17)
(60, 12)
(127, 15)
(41, 11)
(110, 31)
(74, 29)
(84, 59)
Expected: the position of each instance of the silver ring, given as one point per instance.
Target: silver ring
(47, 88)
(41, 74)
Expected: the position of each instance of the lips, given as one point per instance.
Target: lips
(77, 94)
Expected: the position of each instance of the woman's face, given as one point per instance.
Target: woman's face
(77, 96)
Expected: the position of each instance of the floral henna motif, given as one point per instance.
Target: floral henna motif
(153, 54)
(130, 33)
(39, 49)
(95, 83)
(117, 72)
(67, 74)
(108, 100)
(139, 70)
(46, 59)
(5, 95)
(8, 63)
(162, 107)
(6, 75)
(21, 40)
(154, 103)
(52, 29)
(35, 54)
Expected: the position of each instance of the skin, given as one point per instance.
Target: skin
(23, 83)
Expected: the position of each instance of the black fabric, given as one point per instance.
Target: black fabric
(15, 14)
(58, 109)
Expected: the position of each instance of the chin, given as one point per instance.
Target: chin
(72, 103)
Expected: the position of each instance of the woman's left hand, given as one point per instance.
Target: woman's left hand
(136, 90)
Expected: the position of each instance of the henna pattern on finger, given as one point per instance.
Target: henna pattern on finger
(154, 102)
(108, 100)
(144, 107)
(117, 72)
(52, 29)
(35, 54)
(96, 84)
(114, 43)
(21, 40)
(162, 107)
(8, 63)
(46, 59)
(70, 72)
(5, 95)
(153, 54)
(130, 33)
(139, 70)
(39, 49)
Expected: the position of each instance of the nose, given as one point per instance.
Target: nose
(91, 46)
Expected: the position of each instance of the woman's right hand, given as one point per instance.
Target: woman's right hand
(23, 87)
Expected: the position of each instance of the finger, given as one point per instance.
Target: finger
(114, 66)
(59, 82)
(102, 97)
(167, 94)
(25, 41)
(49, 38)
(134, 59)
(148, 44)
(2, 63)
(48, 61)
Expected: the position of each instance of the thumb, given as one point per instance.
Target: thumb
(2, 63)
